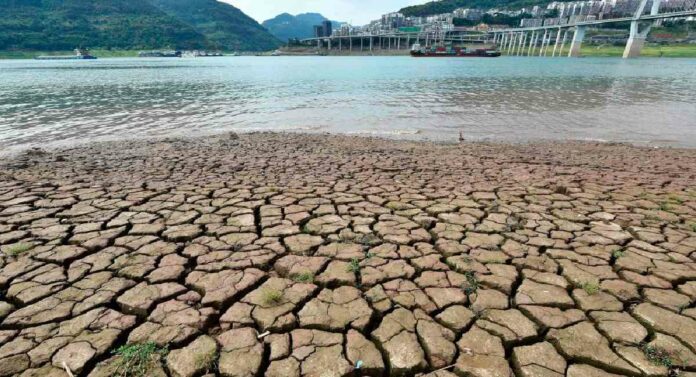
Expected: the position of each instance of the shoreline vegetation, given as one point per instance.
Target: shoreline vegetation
(588, 50)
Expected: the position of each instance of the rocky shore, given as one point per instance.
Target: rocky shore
(288, 255)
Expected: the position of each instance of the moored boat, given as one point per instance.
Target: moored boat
(80, 54)
(419, 51)
(159, 54)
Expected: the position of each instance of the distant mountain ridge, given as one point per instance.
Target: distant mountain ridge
(53, 25)
(286, 26)
(446, 6)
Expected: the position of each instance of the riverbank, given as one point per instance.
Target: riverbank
(287, 254)
(650, 50)
(97, 53)
(587, 50)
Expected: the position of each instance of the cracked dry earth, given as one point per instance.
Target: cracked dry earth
(356, 256)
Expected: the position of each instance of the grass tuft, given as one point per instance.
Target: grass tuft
(560, 189)
(618, 253)
(207, 363)
(354, 266)
(472, 285)
(18, 248)
(136, 360)
(369, 239)
(675, 199)
(591, 288)
(658, 356)
(272, 296)
(304, 277)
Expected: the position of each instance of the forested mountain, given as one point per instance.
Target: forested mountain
(446, 6)
(225, 27)
(53, 25)
(286, 26)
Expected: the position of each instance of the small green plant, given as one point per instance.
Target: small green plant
(354, 266)
(304, 277)
(136, 360)
(272, 296)
(665, 206)
(472, 285)
(658, 356)
(369, 255)
(693, 227)
(618, 253)
(18, 248)
(591, 288)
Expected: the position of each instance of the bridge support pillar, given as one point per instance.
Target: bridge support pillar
(636, 40)
(563, 41)
(371, 38)
(555, 45)
(532, 43)
(523, 45)
(513, 39)
(577, 42)
(544, 41)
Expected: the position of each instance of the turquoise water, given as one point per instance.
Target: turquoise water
(643, 101)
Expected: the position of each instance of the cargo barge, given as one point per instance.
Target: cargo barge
(448, 52)
(80, 54)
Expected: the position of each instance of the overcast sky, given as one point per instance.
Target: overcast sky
(358, 12)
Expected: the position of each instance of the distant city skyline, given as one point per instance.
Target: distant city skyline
(357, 12)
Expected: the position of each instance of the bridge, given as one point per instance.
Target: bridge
(521, 41)
(525, 41)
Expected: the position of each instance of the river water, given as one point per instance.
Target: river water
(642, 101)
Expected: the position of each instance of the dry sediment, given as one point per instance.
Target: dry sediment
(552, 259)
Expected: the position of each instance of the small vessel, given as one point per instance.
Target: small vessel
(80, 54)
(159, 54)
(419, 51)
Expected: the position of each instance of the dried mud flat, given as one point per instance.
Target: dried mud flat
(298, 255)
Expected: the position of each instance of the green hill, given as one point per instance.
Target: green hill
(446, 6)
(59, 25)
(286, 26)
(225, 27)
